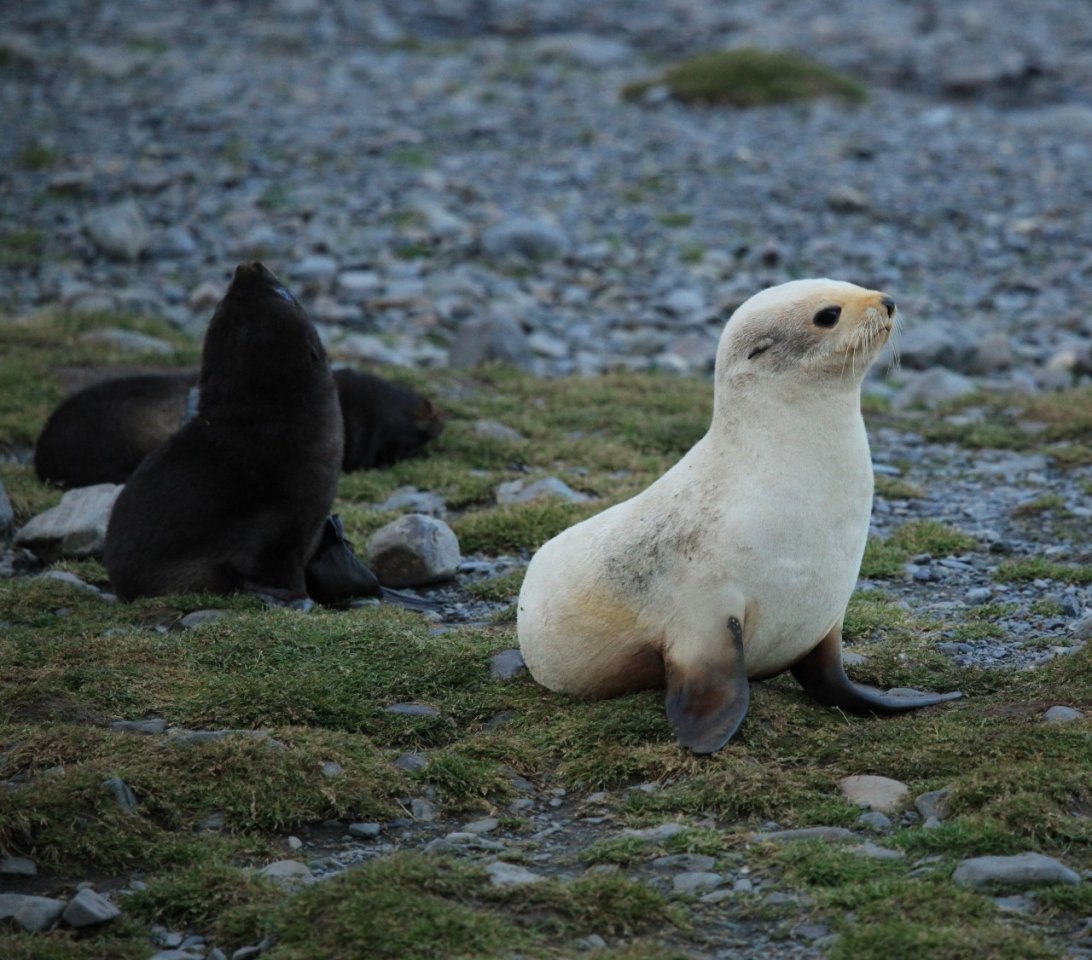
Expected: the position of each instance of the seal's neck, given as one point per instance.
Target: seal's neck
(814, 405)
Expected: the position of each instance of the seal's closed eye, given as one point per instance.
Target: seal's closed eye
(827, 317)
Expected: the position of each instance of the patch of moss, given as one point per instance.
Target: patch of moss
(896, 488)
(932, 537)
(750, 77)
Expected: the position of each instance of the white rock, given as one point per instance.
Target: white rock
(76, 527)
(286, 870)
(414, 550)
(877, 793)
(503, 874)
(120, 231)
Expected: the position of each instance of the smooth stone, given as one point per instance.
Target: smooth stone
(414, 550)
(936, 344)
(18, 867)
(978, 595)
(525, 237)
(506, 664)
(665, 831)
(411, 762)
(874, 820)
(493, 430)
(696, 881)
(120, 231)
(877, 793)
(413, 709)
(63, 576)
(503, 874)
(422, 809)
(933, 387)
(150, 727)
(805, 833)
(874, 851)
(933, 804)
(514, 491)
(1061, 714)
(365, 831)
(417, 501)
(122, 792)
(89, 908)
(33, 914)
(199, 618)
(487, 825)
(494, 338)
(286, 870)
(76, 527)
(1022, 869)
(331, 768)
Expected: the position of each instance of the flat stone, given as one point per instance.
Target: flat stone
(1062, 714)
(1020, 870)
(665, 831)
(874, 820)
(494, 338)
(331, 768)
(487, 825)
(805, 833)
(413, 709)
(874, 851)
(506, 664)
(414, 550)
(496, 431)
(696, 881)
(423, 810)
(286, 870)
(877, 793)
(411, 762)
(503, 874)
(76, 527)
(89, 908)
(18, 867)
(417, 501)
(198, 618)
(366, 831)
(514, 491)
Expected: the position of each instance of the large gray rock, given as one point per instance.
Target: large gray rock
(936, 344)
(496, 338)
(414, 551)
(932, 388)
(88, 908)
(76, 527)
(120, 231)
(1020, 870)
(33, 914)
(525, 237)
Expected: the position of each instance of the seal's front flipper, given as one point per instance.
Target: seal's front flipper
(707, 696)
(821, 674)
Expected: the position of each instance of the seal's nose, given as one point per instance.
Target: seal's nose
(889, 306)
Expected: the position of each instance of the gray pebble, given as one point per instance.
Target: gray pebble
(365, 831)
(874, 820)
(1020, 870)
(123, 794)
(503, 874)
(696, 881)
(149, 727)
(120, 231)
(693, 862)
(506, 664)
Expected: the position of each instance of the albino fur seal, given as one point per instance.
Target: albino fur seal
(740, 560)
(237, 499)
(102, 432)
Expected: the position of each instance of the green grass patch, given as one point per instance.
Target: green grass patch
(896, 488)
(885, 558)
(1039, 568)
(750, 77)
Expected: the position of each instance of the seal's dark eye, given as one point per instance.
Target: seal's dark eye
(827, 317)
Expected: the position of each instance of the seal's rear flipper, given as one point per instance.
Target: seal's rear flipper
(707, 699)
(821, 674)
(335, 573)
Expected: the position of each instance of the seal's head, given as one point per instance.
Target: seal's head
(825, 330)
(259, 333)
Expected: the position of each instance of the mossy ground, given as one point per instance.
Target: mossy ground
(317, 685)
(750, 77)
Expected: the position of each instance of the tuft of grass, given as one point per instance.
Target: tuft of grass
(750, 77)
(884, 559)
(1039, 568)
(896, 488)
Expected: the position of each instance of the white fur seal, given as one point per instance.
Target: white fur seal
(740, 560)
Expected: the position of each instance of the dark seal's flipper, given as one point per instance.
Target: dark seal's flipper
(335, 573)
(822, 675)
(707, 700)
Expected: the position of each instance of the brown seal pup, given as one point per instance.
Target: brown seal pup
(102, 432)
(740, 560)
(238, 497)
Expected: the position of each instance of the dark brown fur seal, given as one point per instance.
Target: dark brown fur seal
(237, 499)
(102, 432)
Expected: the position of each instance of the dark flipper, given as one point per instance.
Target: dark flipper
(335, 573)
(707, 700)
(411, 601)
(821, 674)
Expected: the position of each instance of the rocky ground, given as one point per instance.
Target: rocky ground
(451, 182)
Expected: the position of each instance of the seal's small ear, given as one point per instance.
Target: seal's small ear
(707, 699)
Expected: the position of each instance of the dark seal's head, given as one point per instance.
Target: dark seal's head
(259, 335)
